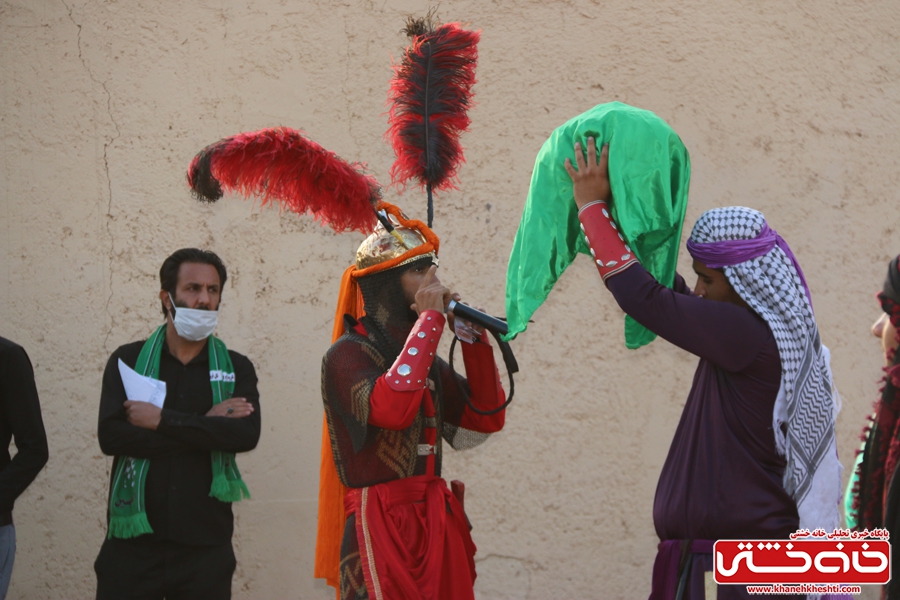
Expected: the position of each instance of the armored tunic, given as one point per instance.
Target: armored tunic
(379, 435)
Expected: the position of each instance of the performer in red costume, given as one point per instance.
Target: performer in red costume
(390, 401)
(388, 527)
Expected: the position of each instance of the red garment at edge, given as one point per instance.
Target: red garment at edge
(414, 540)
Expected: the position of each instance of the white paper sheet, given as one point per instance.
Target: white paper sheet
(142, 388)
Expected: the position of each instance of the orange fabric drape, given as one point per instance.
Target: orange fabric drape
(331, 490)
(331, 515)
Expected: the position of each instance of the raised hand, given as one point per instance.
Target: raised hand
(432, 294)
(591, 181)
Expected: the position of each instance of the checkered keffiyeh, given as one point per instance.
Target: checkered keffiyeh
(807, 402)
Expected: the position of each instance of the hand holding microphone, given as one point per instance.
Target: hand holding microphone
(465, 331)
(433, 295)
(477, 317)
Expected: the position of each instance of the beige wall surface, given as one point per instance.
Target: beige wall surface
(790, 107)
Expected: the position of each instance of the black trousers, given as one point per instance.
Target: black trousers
(141, 570)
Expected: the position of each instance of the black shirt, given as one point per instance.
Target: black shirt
(20, 417)
(179, 507)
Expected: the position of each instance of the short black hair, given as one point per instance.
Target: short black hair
(168, 272)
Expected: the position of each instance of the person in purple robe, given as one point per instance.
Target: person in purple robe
(754, 454)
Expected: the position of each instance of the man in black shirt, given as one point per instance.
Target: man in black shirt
(20, 418)
(174, 475)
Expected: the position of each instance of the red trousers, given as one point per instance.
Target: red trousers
(414, 540)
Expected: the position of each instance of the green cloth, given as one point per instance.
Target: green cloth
(649, 171)
(127, 509)
(851, 518)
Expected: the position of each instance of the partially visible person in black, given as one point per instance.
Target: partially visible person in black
(20, 418)
(875, 495)
(188, 554)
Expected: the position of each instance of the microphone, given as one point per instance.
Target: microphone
(468, 313)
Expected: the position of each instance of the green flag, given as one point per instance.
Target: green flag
(649, 171)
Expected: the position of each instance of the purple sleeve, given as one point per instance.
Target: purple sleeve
(680, 287)
(725, 334)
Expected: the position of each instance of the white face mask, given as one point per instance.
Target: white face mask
(194, 324)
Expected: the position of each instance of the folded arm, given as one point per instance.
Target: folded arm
(119, 437)
(222, 433)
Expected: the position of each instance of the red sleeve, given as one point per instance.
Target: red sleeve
(395, 400)
(390, 409)
(484, 383)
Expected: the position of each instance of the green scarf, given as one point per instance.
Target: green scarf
(649, 171)
(127, 511)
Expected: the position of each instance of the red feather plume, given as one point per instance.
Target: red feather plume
(430, 93)
(282, 165)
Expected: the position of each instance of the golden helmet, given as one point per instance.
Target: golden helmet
(383, 245)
